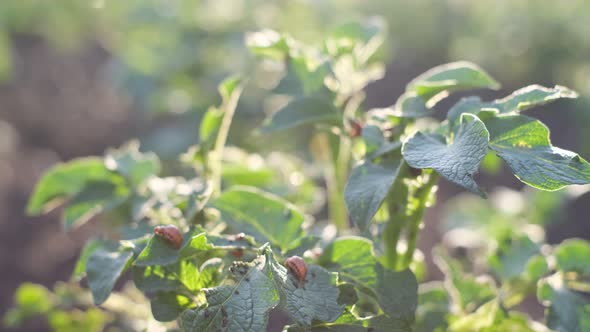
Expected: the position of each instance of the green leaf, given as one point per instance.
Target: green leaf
(167, 307)
(104, 267)
(134, 165)
(466, 291)
(241, 306)
(568, 311)
(510, 258)
(458, 161)
(301, 111)
(160, 252)
(80, 268)
(397, 293)
(64, 180)
(95, 198)
(524, 144)
(433, 307)
(314, 299)
(367, 188)
(572, 256)
(411, 105)
(353, 258)
(350, 323)
(265, 216)
(470, 105)
(531, 96)
(450, 77)
(520, 100)
(91, 320)
(182, 277)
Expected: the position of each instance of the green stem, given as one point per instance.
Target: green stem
(336, 205)
(396, 207)
(216, 156)
(415, 221)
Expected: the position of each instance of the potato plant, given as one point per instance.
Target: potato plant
(205, 239)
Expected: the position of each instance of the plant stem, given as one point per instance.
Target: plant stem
(396, 207)
(415, 221)
(336, 205)
(216, 156)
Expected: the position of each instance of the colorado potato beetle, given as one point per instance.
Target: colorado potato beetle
(171, 234)
(296, 265)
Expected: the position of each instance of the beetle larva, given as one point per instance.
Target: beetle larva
(296, 265)
(171, 234)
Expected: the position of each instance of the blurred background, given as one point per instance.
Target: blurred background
(77, 77)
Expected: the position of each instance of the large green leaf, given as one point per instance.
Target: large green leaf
(265, 216)
(300, 111)
(568, 310)
(167, 307)
(458, 161)
(65, 180)
(397, 293)
(531, 96)
(367, 188)
(572, 256)
(103, 269)
(241, 306)
(353, 258)
(524, 144)
(455, 76)
(314, 299)
(520, 100)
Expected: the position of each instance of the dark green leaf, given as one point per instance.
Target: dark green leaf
(241, 306)
(367, 188)
(568, 310)
(314, 299)
(397, 293)
(267, 217)
(300, 111)
(524, 144)
(458, 161)
(104, 267)
(167, 307)
(80, 268)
